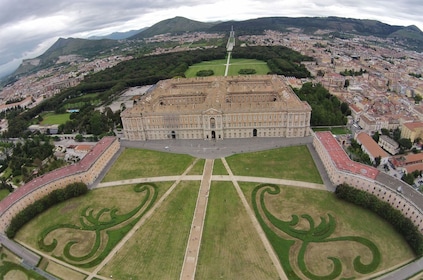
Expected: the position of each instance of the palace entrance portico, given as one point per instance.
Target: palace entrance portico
(213, 128)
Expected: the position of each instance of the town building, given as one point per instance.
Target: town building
(370, 147)
(412, 130)
(388, 144)
(218, 108)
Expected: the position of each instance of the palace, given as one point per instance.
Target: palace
(218, 108)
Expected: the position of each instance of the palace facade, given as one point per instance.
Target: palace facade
(218, 108)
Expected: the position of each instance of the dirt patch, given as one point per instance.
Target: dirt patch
(69, 207)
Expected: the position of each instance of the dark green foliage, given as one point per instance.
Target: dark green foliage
(353, 73)
(326, 108)
(32, 210)
(280, 60)
(205, 73)
(393, 216)
(247, 71)
(405, 143)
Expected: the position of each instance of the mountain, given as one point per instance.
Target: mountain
(118, 35)
(83, 47)
(410, 37)
(174, 25)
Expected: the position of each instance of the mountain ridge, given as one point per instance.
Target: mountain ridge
(410, 37)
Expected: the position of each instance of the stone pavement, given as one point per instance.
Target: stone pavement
(194, 241)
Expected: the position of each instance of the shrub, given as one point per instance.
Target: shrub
(32, 210)
(402, 224)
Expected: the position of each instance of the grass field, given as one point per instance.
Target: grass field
(3, 194)
(219, 168)
(230, 246)
(240, 253)
(350, 221)
(293, 163)
(198, 167)
(160, 243)
(52, 118)
(218, 67)
(70, 214)
(136, 163)
(334, 130)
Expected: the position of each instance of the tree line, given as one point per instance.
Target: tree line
(326, 108)
(53, 198)
(402, 224)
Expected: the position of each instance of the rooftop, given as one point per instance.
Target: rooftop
(341, 159)
(238, 93)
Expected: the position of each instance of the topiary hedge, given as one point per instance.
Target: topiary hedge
(402, 224)
(32, 210)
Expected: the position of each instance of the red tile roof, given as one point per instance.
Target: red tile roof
(341, 159)
(413, 125)
(79, 167)
(371, 146)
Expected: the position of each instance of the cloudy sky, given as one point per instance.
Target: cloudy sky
(29, 27)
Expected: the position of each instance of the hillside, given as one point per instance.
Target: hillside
(409, 37)
(83, 47)
(174, 25)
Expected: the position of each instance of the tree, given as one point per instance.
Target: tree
(377, 161)
(405, 143)
(79, 138)
(376, 136)
(408, 178)
(346, 83)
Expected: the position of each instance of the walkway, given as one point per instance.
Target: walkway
(194, 241)
(256, 224)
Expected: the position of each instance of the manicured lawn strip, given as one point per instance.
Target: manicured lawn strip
(69, 212)
(231, 247)
(157, 249)
(139, 163)
(218, 67)
(219, 168)
(334, 130)
(116, 226)
(350, 221)
(292, 163)
(52, 118)
(198, 168)
(4, 193)
(238, 64)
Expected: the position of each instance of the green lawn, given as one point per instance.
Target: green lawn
(238, 64)
(292, 163)
(218, 67)
(3, 194)
(139, 163)
(219, 168)
(240, 253)
(157, 249)
(350, 221)
(53, 118)
(198, 167)
(334, 130)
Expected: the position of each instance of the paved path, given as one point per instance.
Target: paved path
(262, 235)
(194, 241)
